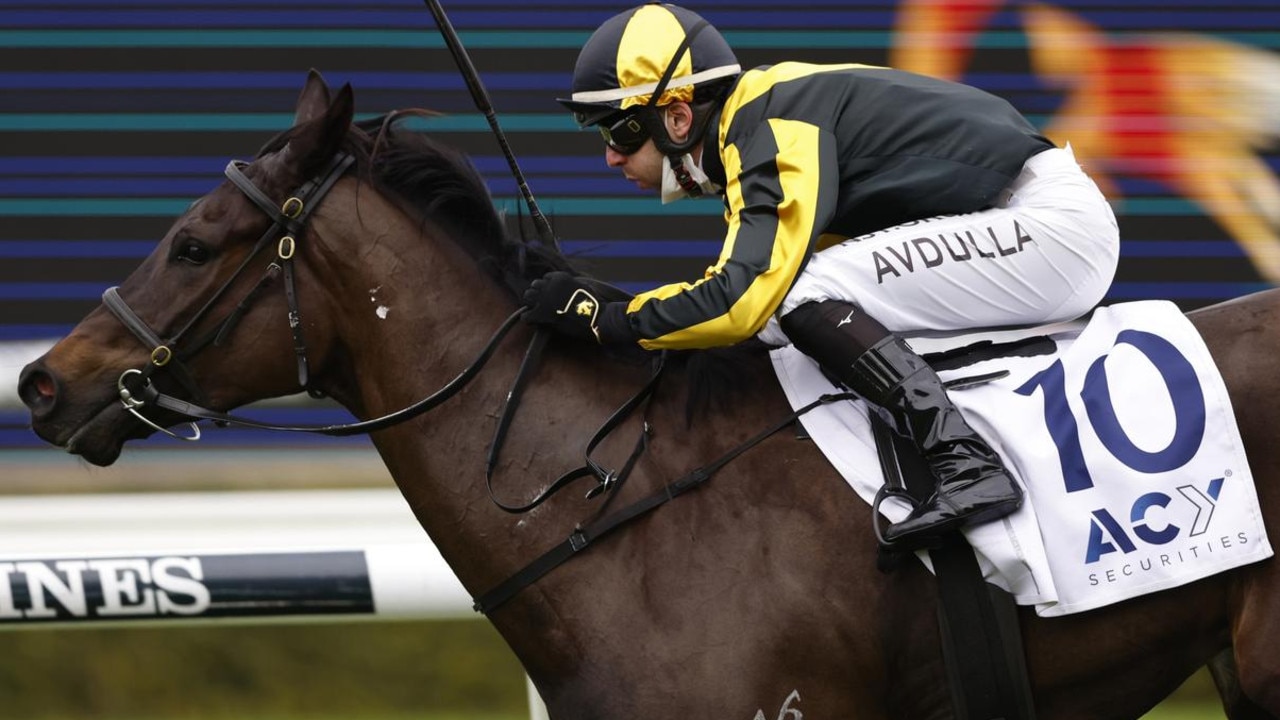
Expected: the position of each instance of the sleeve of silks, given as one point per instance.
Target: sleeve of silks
(780, 195)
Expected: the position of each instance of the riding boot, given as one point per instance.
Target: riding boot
(973, 485)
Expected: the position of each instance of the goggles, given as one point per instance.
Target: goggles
(625, 135)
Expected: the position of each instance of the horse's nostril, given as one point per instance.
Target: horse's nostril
(37, 388)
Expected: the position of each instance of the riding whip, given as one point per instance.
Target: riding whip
(481, 98)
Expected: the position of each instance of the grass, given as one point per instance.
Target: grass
(1186, 712)
(1197, 699)
(447, 670)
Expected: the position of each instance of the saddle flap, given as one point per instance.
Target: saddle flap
(1124, 439)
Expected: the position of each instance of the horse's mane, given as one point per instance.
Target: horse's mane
(441, 184)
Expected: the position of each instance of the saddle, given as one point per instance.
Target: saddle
(1120, 431)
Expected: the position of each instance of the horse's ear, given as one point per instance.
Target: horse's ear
(321, 136)
(313, 100)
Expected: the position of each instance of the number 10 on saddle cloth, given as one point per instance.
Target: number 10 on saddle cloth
(1124, 439)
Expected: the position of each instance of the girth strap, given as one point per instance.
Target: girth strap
(981, 638)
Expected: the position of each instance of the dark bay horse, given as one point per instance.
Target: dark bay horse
(755, 596)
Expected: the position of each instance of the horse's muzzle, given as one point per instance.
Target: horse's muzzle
(38, 389)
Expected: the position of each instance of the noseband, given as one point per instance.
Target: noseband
(288, 223)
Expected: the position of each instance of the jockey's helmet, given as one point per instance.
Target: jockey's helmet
(654, 49)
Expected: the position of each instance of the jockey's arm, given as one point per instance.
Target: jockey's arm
(782, 185)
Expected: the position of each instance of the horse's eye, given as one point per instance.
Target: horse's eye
(192, 252)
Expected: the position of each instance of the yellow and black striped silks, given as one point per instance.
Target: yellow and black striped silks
(812, 154)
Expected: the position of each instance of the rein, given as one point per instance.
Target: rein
(151, 396)
(136, 390)
(584, 535)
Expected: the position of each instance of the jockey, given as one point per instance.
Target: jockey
(862, 203)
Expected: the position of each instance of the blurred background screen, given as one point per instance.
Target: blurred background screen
(115, 115)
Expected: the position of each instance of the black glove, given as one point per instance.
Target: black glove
(579, 307)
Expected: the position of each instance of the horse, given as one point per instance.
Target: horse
(757, 595)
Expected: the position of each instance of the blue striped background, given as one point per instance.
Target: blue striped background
(115, 115)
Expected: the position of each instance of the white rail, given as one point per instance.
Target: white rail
(260, 556)
(13, 357)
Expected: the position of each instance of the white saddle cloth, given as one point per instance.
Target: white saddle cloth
(1124, 439)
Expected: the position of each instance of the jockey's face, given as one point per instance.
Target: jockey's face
(642, 167)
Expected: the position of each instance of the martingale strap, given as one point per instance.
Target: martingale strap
(608, 480)
(584, 535)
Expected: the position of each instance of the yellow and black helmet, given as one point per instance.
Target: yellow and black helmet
(653, 47)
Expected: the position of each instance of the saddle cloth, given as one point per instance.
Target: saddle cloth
(1123, 437)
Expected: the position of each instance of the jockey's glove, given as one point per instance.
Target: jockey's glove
(579, 307)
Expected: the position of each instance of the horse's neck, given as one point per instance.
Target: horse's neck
(415, 312)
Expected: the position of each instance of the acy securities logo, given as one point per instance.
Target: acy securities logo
(1152, 539)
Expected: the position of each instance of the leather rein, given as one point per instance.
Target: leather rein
(136, 391)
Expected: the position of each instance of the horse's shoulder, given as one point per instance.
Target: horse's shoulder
(733, 380)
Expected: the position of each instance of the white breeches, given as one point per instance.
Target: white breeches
(1046, 252)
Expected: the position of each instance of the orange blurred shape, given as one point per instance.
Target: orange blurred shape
(1183, 109)
(936, 37)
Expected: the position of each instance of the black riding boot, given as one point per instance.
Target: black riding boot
(973, 485)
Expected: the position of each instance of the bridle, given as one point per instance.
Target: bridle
(288, 223)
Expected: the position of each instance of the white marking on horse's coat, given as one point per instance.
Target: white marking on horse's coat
(382, 311)
(786, 712)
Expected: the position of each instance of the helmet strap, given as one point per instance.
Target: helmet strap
(675, 60)
(686, 181)
(652, 114)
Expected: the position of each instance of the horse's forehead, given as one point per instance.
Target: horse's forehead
(206, 209)
(225, 202)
